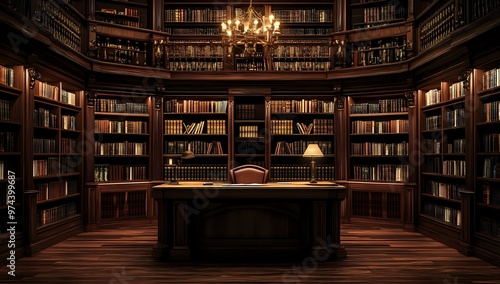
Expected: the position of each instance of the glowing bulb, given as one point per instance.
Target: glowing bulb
(255, 22)
(237, 22)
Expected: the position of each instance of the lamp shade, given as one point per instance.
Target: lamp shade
(187, 155)
(313, 150)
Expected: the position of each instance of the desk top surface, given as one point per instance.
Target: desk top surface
(188, 189)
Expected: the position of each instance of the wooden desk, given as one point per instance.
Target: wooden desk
(249, 221)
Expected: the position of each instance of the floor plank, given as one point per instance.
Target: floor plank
(121, 253)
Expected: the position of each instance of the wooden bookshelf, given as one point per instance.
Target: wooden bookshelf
(375, 13)
(380, 147)
(134, 13)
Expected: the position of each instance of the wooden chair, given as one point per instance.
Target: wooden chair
(248, 174)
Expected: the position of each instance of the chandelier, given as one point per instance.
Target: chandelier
(250, 29)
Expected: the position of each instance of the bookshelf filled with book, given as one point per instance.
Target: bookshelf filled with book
(249, 122)
(380, 143)
(11, 141)
(193, 18)
(445, 128)
(134, 13)
(54, 157)
(199, 125)
(487, 178)
(375, 13)
(296, 123)
(119, 161)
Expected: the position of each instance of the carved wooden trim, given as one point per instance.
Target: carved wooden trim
(464, 77)
(91, 98)
(34, 75)
(160, 89)
(340, 102)
(410, 97)
(158, 102)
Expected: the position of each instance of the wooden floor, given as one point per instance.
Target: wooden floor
(121, 255)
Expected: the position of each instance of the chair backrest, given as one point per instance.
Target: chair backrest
(248, 174)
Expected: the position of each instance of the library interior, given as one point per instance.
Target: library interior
(264, 141)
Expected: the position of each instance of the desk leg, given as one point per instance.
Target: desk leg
(326, 231)
(161, 248)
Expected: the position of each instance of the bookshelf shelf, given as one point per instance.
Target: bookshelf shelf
(58, 223)
(387, 114)
(441, 198)
(116, 114)
(442, 175)
(455, 228)
(58, 198)
(489, 206)
(368, 3)
(56, 176)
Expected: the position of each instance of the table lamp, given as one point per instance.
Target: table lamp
(312, 151)
(185, 155)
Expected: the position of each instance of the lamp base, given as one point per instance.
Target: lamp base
(174, 182)
(313, 181)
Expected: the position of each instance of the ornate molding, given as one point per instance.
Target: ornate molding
(34, 75)
(158, 102)
(91, 98)
(340, 102)
(410, 97)
(465, 78)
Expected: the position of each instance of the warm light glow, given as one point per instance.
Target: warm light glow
(313, 150)
(257, 30)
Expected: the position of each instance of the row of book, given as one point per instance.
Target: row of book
(480, 8)
(123, 204)
(62, 22)
(306, 31)
(303, 15)
(195, 50)
(245, 64)
(443, 213)
(445, 190)
(383, 13)
(381, 172)
(299, 147)
(197, 147)
(307, 65)
(7, 140)
(52, 165)
(196, 172)
(117, 53)
(121, 106)
(457, 90)
(491, 194)
(379, 149)
(245, 111)
(455, 118)
(42, 117)
(181, 64)
(6, 76)
(192, 31)
(492, 111)
(249, 131)
(294, 172)
(55, 189)
(364, 54)
(491, 78)
(433, 122)
(107, 172)
(491, 142)
(491, 167)
(120, 148)
(301, 51)
(125, 127)
(54, 214)
(196, 15)
(454, 167)
(489, 225)
(44, 145)
(383, 106)
(285, 126)
(302, 106)
(432, 97)
(438, 27)
(458, 146)
(429, 146)
(2, 169)
(375, 127)
(4, 110)
(195, 106)
(46, 90)
(128, 23)
(68, 146)
(68, 122)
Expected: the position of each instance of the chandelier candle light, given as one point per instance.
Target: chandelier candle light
(250, 29)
